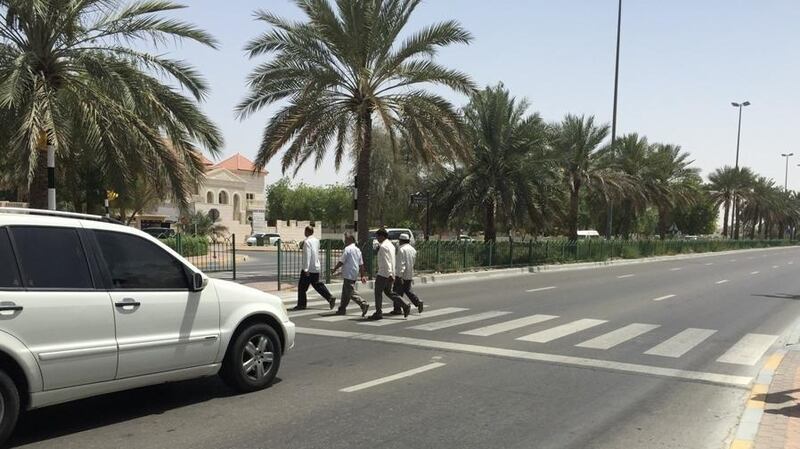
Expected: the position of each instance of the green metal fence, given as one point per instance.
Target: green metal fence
(452, 256)
(210, 254)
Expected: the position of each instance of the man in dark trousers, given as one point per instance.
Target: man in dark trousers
(406, 257)
(385, 277)
(309, 272)
(352, 265)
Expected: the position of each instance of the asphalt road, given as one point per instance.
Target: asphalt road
(653, 355)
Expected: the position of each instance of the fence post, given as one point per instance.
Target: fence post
(530, 252)
(438, 244)
(491, 247)
(328, 262)
(464, 267)
(510, 253)
(234, 256)
(178, 244)
(279, 263)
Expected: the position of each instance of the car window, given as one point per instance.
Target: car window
(9, 274)
(137, 264)
(394, 235)
(51, 258)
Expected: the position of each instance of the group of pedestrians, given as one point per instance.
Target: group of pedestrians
(394, 277)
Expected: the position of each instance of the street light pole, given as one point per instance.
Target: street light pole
(738, 141)
(786, 175)
(614, 115)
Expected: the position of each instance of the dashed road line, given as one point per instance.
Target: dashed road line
(676, 269)
(393, 377)
(661, 298)
(540, 289)
(709, 263)
(623, 276)
(755, 272)
(721, 282)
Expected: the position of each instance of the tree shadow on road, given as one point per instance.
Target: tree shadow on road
(777, 295)
(87, 414)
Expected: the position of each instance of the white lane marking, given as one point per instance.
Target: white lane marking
(335, 318)
(791, 262)
(300, 313)
(509, 325)
(320, 302)
(681, 343)
(562, 331)
(721, 282)
(430, 314)
(755, 272)
(661, 298)
(625, 276)
(676, 269)
(748, 350)
(619, 336)
(393, 377)
(774, 266)
(722, 379)
(709, 263)
(435, 326)
(541, 289)
(733, 260)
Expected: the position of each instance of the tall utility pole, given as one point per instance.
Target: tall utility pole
(738, 140)
(614, 116)
(786, 175)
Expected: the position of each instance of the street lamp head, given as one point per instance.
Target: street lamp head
(787, 154)
(735, 104)
(746, 103)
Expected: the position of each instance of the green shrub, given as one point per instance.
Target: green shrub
(630, 252)
(190, 245)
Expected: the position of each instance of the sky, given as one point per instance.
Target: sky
(682, 63)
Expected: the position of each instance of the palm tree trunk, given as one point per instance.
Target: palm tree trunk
(37, 197)
(755, 220)
(491, 223)
(363, 177)
(725, 218)
(662, 223)
(737, 218)
(574, 202)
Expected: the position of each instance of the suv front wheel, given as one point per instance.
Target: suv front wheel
(9, 406)
(253, 359)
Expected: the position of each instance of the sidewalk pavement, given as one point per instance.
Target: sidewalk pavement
(771, 419)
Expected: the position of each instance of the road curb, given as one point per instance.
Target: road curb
(750, 420)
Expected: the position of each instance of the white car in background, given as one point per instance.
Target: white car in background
(269, 239)
(89, 307)
(394, 236)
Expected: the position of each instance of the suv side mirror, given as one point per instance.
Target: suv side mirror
(199, 282)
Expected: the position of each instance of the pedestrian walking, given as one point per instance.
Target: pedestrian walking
(352, 265)
(406, 258)
(385, 277)
(309, 273)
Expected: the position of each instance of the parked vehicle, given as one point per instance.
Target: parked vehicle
(588, 234)
(89, 307)
(465, 239)
(394, 236)
(159, 233)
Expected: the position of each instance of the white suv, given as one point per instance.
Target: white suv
(89, 307)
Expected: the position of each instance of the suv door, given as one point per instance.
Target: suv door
(161, 324)
(49, 302)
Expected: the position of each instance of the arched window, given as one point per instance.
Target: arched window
(210, 197)
(223, 197)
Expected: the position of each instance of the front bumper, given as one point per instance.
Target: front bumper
(288, 328)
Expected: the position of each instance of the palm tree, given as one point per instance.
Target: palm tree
(722, 183)
(675, 181)
(576, 143)
(342, 68)
(629, 155)
(760, 204)
(506, 176)
(201, 223)
(69, 80)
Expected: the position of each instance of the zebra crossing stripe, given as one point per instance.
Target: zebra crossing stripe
(619, 336)
(427, 314)
(554, 333)
(509, 325)
(335, 318)
(748, 350)
(458, 321)
(681, 343)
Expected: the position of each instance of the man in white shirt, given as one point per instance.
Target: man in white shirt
(309, 272)
(385, 277)
(352, 265)
(406, 257)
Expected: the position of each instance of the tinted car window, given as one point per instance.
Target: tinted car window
(9, 275)
(135, 263)
(51, 258)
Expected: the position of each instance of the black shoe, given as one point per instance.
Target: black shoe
(420, 306)
(340, 312)
(396, 312)
(375, 317)
(332, 302)
(364, 309)
(296, 308)
(406, 310)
